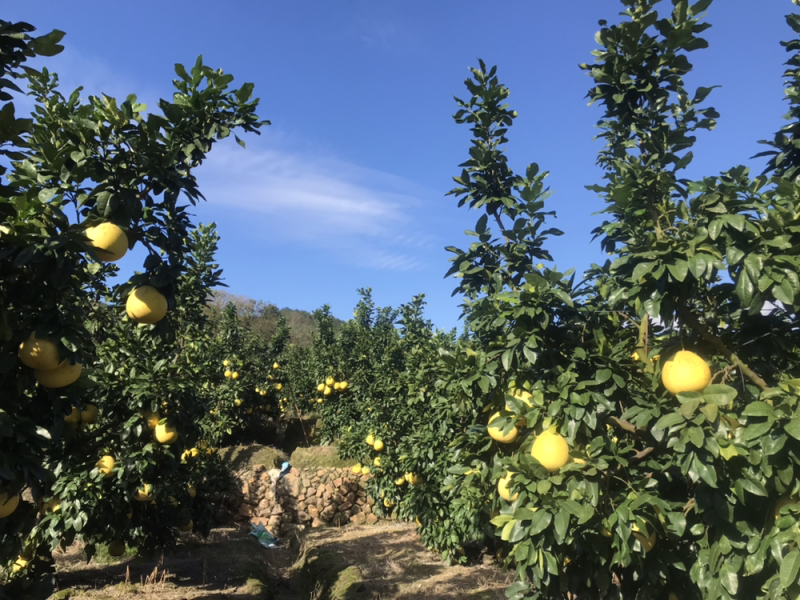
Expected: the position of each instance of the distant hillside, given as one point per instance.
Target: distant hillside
(262, 317)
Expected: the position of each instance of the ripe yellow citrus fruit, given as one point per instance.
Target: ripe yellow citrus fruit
(73, 418)
(502, 487)
(319, 400)
(262, 393)
(365, 470)
(647, 541)
(336, 386)
(400, 481)
(321, 387)
(63, 375)
(551, 450)
(496, 433)
(415, 479)
(327, 391)
(685, 372)
(235, 375)
(108, 240)
(356, 469)
(39, 354)
(378, 445)
(226, 362)
(370, 440)
(116, 548)
(238, 402)
(377, 461)
(146, 305)
(19, 564)
(343, 386)
(106, 465)
(388, 503)
(89, 414)
(192, 491)
(144, 494)
(228, 374)
(187, 526)
(166, 434)
(151, 418)
(635, 356)
(276, 366)
(330, 381)
(8, 504)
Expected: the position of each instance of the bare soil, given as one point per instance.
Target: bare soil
(379, 562)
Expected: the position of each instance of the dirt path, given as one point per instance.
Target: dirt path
(384, 561)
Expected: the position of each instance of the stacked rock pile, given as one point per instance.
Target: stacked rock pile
(303, 497)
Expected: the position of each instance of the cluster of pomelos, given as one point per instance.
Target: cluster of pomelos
(683, 372)
(329, 386)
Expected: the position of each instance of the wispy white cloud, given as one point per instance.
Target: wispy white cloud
(360, 214)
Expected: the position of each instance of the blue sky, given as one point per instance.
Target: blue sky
(346, 188)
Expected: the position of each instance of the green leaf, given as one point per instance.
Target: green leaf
(669, 420)
(719, 394)
(745, 289)
(793, 428)
(789, 568)
(679, 269)
(758, 409)
(783, 292)
(541, 521)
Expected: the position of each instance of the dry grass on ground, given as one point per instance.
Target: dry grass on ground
(380, 562)
(320, 457)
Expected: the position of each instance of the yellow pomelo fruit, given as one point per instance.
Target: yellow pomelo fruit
(228, 374)
(343, 386)
(73, 418)
(108, 240)
(496, 433)
(365, 470)
(377, 461)
(647, 541)
(238, 402)
(330, 381)
(151, 418)
(166, 434)
(89, 414)
(502, 487)
(685, 372)
(8, 504)
(39, 354)
(146, 305)
(144, 494)
(235, 375)
(63, 375)
(116, 548)
(276, 366)
(388, 503)
(106, 465)
(279, 386)
(551, 450)
(356, 469)
(19, 564)
(321, 387)
(400, 481)
(370, 439)
(192, 491)
(262, 393)
(327, 391)
(188, 526)
(226, 362)
(415, 479)
(319, 400)
(336, 386)
(378, 445)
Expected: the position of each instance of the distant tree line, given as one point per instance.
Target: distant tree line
(262, 317)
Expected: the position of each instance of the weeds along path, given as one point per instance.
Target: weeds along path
(384, 561)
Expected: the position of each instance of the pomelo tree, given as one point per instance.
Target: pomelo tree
(628, 470)
(84, 182)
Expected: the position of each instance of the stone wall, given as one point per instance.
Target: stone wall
(303, 497)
